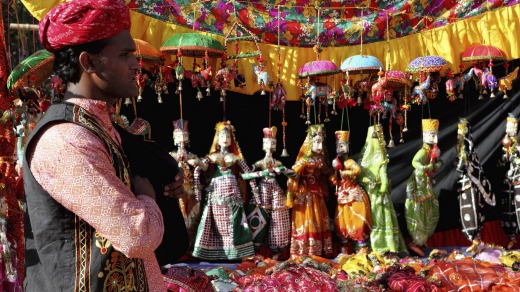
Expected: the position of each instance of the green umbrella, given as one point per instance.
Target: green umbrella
(32, 71)
(193, 45)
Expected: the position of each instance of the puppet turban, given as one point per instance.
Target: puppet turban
(82, 21)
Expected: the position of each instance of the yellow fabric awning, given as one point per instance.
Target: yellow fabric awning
(494, 27)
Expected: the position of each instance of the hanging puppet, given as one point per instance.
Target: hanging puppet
(385, 235)
(189, 205)
(352, 220)
(421, 205)
(509, 202)
(223, 232)
(307, 193)
(270, 220)
(475, 189)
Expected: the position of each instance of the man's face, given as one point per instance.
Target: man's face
(317, 144)
(341, 147)
(430, 137)
(269, 145)
(181, 137)
(115, 68)
(224, 138)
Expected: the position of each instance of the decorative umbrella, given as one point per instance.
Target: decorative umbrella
(146, 52)
(149, 57)
(32, 71)
(427, 64)
(361, 64)
(478, 53)
(483, 53)
(397, 80)
(318, 68)
(193, 45)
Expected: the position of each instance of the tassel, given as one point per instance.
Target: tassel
(159, 99)
(199, 95)
(284, 153)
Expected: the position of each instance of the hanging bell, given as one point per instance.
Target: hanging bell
(391, 144)
(180, 86)
(505, 95)
(208, 91)
(359, 100)
(199, 95)
(262, 92)
(492, 94)
(139, 98)
(401, 140)
(128, 101)
(159, 98)
(374, 135)
(480, 96)
(405, 129)
(485, 91)
(284, 153)
(461, 96)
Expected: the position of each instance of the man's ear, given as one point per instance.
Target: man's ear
(86, 61)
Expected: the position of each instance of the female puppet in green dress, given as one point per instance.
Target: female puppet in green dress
(223, 231)
(385, 235)
(421, 205)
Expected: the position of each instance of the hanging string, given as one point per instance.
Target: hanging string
(318, 45)
(362, 30)
(8, 45)
(388, 59)
(342, 114)
(194, 13)
(269, 107)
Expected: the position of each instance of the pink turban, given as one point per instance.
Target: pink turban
(81, 21)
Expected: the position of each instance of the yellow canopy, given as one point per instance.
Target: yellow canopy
(448, 41)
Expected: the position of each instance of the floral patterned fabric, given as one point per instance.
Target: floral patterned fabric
(339, 21)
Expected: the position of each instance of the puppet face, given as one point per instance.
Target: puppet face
(317, 144)
(181, 137)
(269, 145)
(430, 137)
(511, 128)
(224, 138)
(341, 147)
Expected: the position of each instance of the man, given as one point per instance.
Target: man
(85, 228)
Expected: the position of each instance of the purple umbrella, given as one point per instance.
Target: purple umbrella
(427, 64)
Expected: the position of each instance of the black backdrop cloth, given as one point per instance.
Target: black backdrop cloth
(249, 114)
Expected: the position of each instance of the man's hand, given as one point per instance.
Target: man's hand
(142, 186)
(175, 189)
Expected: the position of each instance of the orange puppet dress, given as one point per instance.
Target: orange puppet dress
(310, 218)
(352, 220)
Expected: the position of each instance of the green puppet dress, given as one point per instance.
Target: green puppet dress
(422, 206)
(385, 235)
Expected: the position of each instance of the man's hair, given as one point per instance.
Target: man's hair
(66, 60)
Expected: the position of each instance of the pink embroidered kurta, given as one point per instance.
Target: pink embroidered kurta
(73, 165)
